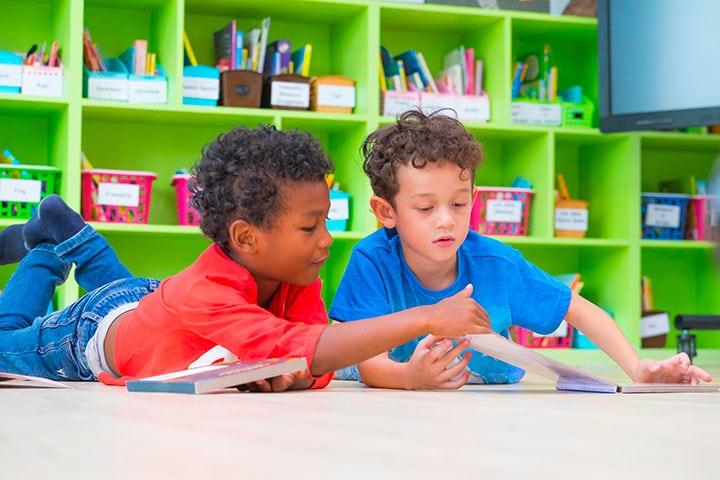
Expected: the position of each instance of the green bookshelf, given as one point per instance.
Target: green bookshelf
(609, 171)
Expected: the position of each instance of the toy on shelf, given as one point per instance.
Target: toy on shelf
(502, 210)
(406, 83)
(571, 216)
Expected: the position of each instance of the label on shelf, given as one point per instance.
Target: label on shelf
(339, 209)
(571, 219)
(561, 331)
(433, 102)
(290, 94)
(26, 191)
(473, 108)
(119, 194)
(504, 211)
(336, 96)
(108, 88)
(664, 216)
(395, 103)
(42, 81)
(147, 91)
(201, 87)
(10, 75)
(536, 113)
(654, 324)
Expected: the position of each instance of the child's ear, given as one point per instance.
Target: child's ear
(243, 236)
(384, 211)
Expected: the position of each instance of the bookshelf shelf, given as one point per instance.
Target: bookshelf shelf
(609, 171)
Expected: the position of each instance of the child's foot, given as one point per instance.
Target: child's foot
(12, 245)
(53, 222)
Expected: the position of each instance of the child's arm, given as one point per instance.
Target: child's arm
(602, 330)
(345, 344)
(429, 367)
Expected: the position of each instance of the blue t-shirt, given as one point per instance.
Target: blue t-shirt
(513, 291)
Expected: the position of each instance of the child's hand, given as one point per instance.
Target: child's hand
(458, 315)
(429, 366)
(281, 383)
(676, 369)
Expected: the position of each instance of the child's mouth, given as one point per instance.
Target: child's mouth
(444, 242)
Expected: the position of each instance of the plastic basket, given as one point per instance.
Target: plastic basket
(578, 114)
(701, 218)
(187, 215)
(501, 211)
(527, 338)
(116, 196)
(664, 215)
(23, 186)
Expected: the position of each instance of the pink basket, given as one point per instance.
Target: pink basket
(187, 215)
(701, 216)
(501, 211)
(527, 338)
(116, 196)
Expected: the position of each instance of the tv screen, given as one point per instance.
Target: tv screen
(658, 64)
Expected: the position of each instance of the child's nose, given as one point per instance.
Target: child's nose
(445, 218)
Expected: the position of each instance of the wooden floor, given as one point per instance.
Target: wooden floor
(350, 431)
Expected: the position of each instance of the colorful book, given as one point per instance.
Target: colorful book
(239, 43)
(478, 77)
(411, 62)
(470, 69)
(517, 79)
(217, 377)
(8, 380)
(264, 33)
(140, 47)
(224, 41)
(306, 60)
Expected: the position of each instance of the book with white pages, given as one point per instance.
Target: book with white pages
(565, 376)
(14, 380)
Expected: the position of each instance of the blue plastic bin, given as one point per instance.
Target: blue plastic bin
(339, 214)
(664, 215)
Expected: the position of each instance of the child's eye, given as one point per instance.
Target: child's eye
(310, 229)
(459, 205)
(424, 209)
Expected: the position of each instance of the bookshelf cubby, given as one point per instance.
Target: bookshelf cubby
(609, 171)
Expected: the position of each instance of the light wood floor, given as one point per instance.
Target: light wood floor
(350, 431)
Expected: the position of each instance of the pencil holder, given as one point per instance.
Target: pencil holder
(42, 81)
(501, 211)
(116, 196)
(187, 215)
(332, 94)
(287, 91)
(10, 72)
(394, 103)
(241, 88)
(148, 88)
(339, 213)
(578, 114)
(23, 186)
(664, 215)
(201, 85)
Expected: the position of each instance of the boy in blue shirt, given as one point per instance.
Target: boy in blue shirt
(421, 170)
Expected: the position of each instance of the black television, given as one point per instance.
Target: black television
(658, 64)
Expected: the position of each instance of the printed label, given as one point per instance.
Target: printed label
(147, 91)
(504, 211)
(26, 191)
(536, 113)
(571, 219)
(654, 325)
(339, 209)
(108, 88)
(473, 107)
(433, 102)
(290, 94)
(201, 87)
(665, 216)
(119, 194)
(46, 82)
(336, 96)
(10, 75)
(395, 103)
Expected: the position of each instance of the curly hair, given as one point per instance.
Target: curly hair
(242, 173)
(417, 139)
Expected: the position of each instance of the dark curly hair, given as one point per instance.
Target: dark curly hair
(242, 172)
(417, 139)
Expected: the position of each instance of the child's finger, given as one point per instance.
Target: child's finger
(454, 352)
(263, 386)
(281, 383)
(438, 349)
(457, 383)
(455, 370)
(699, 373)
(429, 341)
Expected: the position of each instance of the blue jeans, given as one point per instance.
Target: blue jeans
(53, 346)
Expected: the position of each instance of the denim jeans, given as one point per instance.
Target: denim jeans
(53, 346)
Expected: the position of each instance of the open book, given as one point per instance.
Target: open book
(217, 377)
(565, 376)
(27, 381)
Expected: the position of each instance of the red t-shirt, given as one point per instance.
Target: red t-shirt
(213, 303)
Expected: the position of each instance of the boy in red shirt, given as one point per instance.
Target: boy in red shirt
(253, 294)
